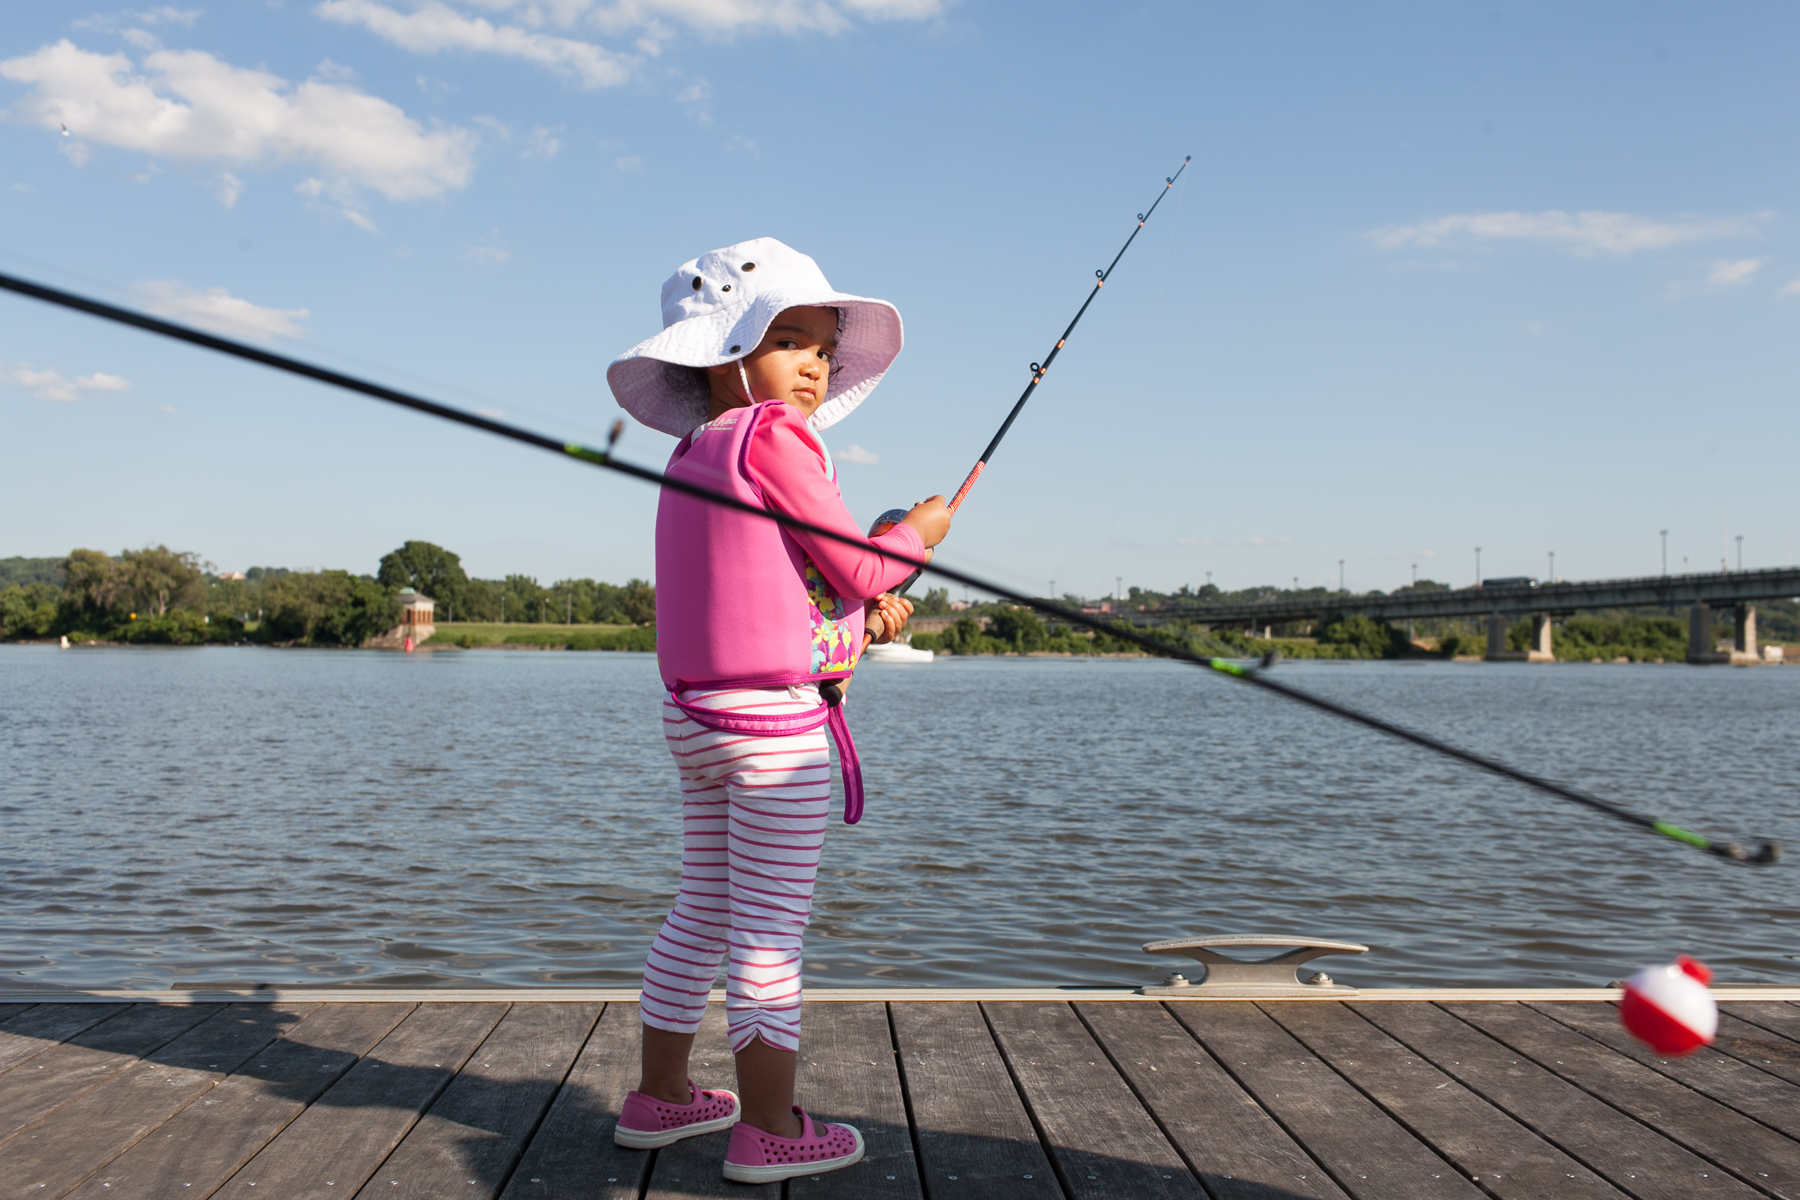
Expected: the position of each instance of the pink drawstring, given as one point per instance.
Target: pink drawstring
(785, 725)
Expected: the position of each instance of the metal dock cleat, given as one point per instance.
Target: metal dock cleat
(1275, 978)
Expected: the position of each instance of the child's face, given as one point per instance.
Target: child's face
(792, 364)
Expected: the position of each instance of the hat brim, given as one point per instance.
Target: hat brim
(654, 380)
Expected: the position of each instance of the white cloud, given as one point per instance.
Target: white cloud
(432, 27)
(1727, 273)
(1581, 233)
(631, 164)
(218, 310)
(856, 454)
(1792, 289)
(53, 385)
(488, 254)
(541, 144)
(731, 16)
(186, 104)
(166, 15)
(228, 187)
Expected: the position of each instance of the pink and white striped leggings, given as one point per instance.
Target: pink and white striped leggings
(754, 811)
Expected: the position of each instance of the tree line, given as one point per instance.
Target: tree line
(159, 595)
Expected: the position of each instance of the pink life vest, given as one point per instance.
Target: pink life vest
(739, 603)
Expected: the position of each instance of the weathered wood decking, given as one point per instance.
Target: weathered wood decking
(318, 1095)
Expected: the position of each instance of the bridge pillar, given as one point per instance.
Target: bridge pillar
(1540, 639)
(1743, 642)
(1701, 648)
(1496, 647)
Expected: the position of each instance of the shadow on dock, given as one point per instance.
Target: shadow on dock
(1084, 1099)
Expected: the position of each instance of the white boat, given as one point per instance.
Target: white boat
(898, 652)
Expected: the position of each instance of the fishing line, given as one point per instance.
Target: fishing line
(1248, 672)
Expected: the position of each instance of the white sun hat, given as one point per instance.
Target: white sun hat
(716, 309)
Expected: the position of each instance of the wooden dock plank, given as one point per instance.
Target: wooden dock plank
(56, 1154)
(1105, 1146)
(1507, 1159)
(1779, 1056)
(31, 1033)
(572, 1154)
(467, 1143)
(9, 1011)
(1778, 1018)
(1238, 1150)
(45, 1082)
(201, 1146)
(1731, 1081)
(974, 1138)
(1731, 1141)
(1367, 1152)
(1634, 1157)
(848, 1073)
(694, 1167)
(332, 1148)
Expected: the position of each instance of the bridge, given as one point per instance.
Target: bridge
(1500, 603)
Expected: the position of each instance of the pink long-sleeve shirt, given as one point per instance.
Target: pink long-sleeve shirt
(787, 462)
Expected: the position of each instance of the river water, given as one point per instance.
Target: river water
(509, 818)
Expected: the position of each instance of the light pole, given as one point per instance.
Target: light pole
(1118, 589)
(1340, 576)
(1478, 566)
(1740, 542)
(1665, 541)
(1553, 566)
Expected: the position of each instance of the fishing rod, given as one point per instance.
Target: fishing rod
(1253, 673)
(1038, 369)
(892, 516)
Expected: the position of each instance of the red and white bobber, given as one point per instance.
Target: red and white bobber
(1669, 1008)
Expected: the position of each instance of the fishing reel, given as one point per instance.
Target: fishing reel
(885, 522)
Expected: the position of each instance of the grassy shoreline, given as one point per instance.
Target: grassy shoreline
(471, 635)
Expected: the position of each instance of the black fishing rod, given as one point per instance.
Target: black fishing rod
(892, 516)
(1038, 369)
(1249, 672)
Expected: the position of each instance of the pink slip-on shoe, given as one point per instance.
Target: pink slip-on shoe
(759, 1157)
(647, 1122)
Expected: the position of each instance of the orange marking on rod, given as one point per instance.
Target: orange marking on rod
(956, 501)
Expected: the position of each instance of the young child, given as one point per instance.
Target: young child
(757, 354)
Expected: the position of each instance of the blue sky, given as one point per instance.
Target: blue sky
(1517, 276)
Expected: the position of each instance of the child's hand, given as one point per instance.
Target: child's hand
(887, 617)
(932, 520)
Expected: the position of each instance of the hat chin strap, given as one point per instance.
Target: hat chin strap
(745, 376)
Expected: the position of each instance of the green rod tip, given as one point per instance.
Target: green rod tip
(1681, 835)
(586, 454)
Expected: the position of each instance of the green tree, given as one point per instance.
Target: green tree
(93, 584)
(327, 608)
(935, 604)
(638, 602)
(1018, 628)
(29, 611)
(157, 579)
(1363, 637)
(427, 569)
